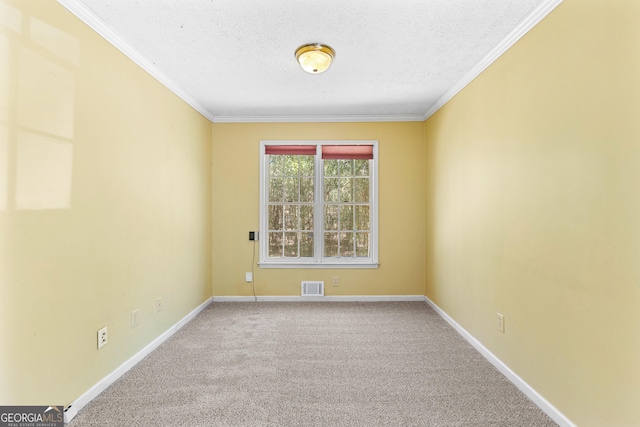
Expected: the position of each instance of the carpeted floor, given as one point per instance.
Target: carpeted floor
(314, 364)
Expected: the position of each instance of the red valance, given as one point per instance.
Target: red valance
(304, 150)
(347, 152)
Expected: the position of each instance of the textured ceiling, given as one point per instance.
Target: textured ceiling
(233, 60)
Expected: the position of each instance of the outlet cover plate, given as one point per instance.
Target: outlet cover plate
(102, 337)
(134, 318)
(500, 322)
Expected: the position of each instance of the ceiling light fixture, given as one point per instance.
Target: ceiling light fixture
(315, 58)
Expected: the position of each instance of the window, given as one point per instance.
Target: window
(318, 204)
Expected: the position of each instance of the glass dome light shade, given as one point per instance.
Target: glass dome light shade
(315, 58)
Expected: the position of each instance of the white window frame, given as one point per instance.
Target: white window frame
(318, 261)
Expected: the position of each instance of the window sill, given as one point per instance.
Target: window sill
(317, 265)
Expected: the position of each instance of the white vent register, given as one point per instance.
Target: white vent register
(312, 289)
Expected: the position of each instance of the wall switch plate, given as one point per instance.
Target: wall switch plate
(134, 318)
(335, 282)
(159, 304)
(248, 277)
(102, 337)
(500, 322)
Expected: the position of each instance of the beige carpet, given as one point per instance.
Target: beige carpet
(314, 364)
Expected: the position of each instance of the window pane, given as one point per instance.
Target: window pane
(275, 189)
(275, 165)
(346, 244)
(275, 217)
(331, 168)
(306, 165)
(345, 167)
(331, 186)
(306, 189)
(291, 217)
(362, 190)
(362, 167)
(362, 218)
(331, 244)
(275, 244)
(362, 245)
(331, 217)
(291, 165)
(291, 189)
(290, 244)
(306, 244)
(346, 189)
(346, 217)
(345, 201)
(306, 217)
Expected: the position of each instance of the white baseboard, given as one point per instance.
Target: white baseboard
(72, 410)
(535, 397)
(343, 298)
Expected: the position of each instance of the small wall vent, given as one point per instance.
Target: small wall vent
(312, 289)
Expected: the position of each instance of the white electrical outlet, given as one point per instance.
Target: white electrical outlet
(159, 304)
(248, 277)
(335, 281)
(102, 337)
(134, 318)
(500, 322)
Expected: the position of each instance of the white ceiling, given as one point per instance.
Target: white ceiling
(233, 60)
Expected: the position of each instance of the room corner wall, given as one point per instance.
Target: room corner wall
(105, 205)
(535, 210)
(236, 186)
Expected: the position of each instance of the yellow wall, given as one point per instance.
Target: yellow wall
(105, 205)
(236, 185)
(527, 180)
(535, 209)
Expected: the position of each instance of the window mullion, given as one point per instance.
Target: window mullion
(318, 206)
(299, 210)
(339, 204)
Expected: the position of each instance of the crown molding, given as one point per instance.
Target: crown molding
(320, 118)
(86, 15)
(523, 28)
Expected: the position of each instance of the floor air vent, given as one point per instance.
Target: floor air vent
(312, 289)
